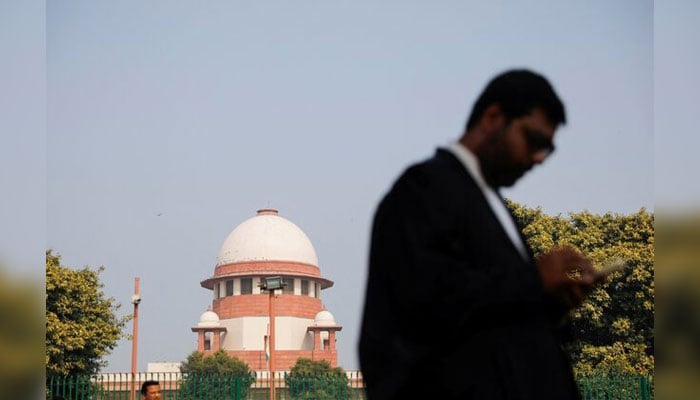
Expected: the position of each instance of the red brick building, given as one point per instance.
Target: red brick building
(238, 321)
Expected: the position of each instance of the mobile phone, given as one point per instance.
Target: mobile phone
(614, 265)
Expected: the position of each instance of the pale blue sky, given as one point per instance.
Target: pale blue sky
(206, 111)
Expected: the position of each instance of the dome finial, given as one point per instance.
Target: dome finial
(268, 211)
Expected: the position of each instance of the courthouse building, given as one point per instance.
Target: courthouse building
(238, 321)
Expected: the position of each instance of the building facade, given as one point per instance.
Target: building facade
(238, 321)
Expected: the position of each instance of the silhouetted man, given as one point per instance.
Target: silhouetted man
(456, 305)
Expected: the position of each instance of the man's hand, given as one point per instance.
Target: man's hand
(567, 275)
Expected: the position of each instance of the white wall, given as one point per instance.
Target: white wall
(248, 333)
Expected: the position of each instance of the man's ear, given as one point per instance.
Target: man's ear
(492, 119)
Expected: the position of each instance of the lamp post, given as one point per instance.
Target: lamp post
(135, 300)
(270, 284)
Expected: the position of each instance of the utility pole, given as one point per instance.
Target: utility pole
(270, 284)
(271, 312)
(135, 300)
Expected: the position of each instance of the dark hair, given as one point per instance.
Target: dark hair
(518, 92)
(144, 387)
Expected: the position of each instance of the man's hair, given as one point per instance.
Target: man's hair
(518, 92)
(144, 387)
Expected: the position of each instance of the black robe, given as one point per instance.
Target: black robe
(452, 311)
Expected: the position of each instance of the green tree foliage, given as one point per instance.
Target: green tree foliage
(21, 335)
(316, 380)
(217, 376)
(613, 329)
(81, 323)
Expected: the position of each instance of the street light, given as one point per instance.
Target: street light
(135, 300)
(270, 284)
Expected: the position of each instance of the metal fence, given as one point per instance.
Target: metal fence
(616, 386)
(178, 386)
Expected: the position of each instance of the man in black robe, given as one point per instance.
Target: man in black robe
(457, 306)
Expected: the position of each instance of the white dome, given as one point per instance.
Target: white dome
(267, 237)
(324, 318)
(208, 319)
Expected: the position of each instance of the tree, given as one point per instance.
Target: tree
(316, 380)
(217, 376)
(613, 329)
(81, 323)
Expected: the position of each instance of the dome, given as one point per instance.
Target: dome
(208, 319)
(267, 237)
(324, 318)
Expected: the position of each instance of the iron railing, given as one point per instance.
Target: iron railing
(616, 387)
(179, 386)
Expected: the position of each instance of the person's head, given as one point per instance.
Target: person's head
(512, 125)
(150, 390)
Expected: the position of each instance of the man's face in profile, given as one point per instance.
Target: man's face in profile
(516, 147)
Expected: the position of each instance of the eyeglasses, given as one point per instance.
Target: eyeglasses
(539, 143)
